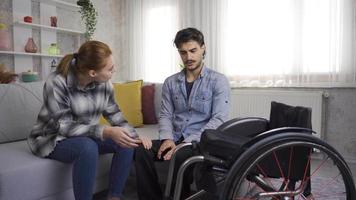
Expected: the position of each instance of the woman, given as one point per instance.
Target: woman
(67, 128)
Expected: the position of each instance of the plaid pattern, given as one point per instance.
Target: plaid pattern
(70, 111)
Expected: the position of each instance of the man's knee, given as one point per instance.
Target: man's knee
(140, 152)
(183, 154)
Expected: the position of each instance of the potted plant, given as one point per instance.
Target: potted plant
(89, 16)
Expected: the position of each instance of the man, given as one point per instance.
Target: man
(195, 99)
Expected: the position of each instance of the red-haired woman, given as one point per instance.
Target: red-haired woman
(67, 129)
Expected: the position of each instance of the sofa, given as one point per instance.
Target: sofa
(24, 176)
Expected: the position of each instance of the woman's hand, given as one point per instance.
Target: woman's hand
(120, 136)
(146, 142)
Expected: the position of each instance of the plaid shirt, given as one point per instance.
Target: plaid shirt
(70, 111)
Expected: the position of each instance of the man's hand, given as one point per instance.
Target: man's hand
(167, 146)
(147, 143)
(120, 136)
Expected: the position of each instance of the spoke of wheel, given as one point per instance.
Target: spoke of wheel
(268, 180)
(305, 178)
(265, 175)
(319, 166)
(325, 186)
(290, 161)
(279, 167)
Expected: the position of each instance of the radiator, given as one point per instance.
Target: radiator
(256, 103)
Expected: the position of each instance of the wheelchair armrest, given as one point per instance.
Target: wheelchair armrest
(277, 131)
(287, 129)
(247, 127)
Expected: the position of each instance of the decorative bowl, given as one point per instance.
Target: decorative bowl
(29, 76)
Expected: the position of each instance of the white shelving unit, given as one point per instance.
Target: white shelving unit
(59, 3)
(30, 54)
(51, 28)
(22, 31)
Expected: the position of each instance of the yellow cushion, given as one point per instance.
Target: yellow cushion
(128, 97)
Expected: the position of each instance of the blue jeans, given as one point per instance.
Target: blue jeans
(84, 152)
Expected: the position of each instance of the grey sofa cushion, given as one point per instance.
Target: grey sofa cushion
(25, 176)
(150, 131)
(19, 107)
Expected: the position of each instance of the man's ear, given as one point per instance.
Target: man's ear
(203, 47)
(92, 73)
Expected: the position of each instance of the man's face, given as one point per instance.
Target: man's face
(192, 54)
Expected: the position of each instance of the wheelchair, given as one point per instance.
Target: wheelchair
(249, 159)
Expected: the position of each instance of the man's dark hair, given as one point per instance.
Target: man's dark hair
(188, 34)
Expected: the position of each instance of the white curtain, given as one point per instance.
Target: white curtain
(291, 43)
(256, 43)
(152, 25)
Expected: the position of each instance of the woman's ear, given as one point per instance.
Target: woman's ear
(92, 73)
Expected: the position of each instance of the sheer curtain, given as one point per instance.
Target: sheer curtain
(152, 25)
(256, 43)
(291, 43)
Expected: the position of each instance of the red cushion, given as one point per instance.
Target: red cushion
(148, 106)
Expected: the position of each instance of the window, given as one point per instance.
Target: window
(153, 25)
(259, 43)
(287, 42)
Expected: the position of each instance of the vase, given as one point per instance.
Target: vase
(30, 46)
(4, 38)
(53, 20)
(53, 49)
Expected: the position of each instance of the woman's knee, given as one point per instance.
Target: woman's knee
(127, 152)
(88, 147)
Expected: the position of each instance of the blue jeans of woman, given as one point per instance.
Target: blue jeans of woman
(84, 152)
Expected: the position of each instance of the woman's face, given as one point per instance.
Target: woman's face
(106, 73)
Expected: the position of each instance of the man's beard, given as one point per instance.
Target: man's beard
(195, 68)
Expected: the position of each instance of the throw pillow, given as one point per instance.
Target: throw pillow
(148, 106)
(128, 97)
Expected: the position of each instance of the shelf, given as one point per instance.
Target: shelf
(59, 3)
(39, 26)
(30, 54)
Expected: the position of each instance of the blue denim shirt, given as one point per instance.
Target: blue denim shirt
(206, 108)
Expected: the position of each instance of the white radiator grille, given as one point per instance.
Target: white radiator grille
(256, 103)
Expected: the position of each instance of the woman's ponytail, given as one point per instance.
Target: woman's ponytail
(65, 64)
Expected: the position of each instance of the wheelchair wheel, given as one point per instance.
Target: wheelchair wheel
(323, 175)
